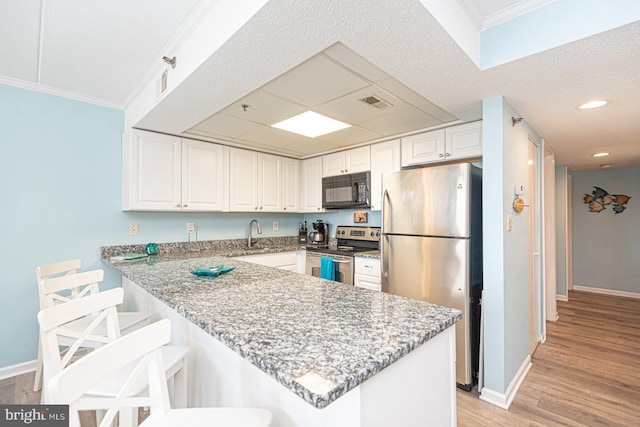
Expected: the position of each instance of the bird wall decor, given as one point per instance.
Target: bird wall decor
(600, 198)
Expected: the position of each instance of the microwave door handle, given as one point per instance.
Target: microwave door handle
(355, 192)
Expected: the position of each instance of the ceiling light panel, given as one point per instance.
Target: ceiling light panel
(311, 124)
(592, 104)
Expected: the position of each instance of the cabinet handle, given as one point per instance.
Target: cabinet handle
(256, 208)
(341, 171)
(345, 171)
(285, 208)
(177, 206)
(447, 154)
(260, 207)
(184, 206)
(318, 208)
(440, 155)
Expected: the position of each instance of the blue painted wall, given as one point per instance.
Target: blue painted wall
(507, 255)
(606, 245)
(569, 20)
(60, 175)
(342, 217)
(561, 229)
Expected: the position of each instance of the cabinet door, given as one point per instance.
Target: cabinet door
(203, 176)
(154, 171)
(243, 180)
(269, 181)
(464, 141)
(333, 164)
(423, 148)
(358, 160)
(385, 157)
(312, 185)
(367, 282)
(290, 185)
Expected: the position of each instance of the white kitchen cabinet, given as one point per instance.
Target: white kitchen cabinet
(282, 260)
(168, 173)
(205, 185)
(349, 161)
(311, 196)
(290, 185)
(385, 157)
(464, 141)
(257, 182)
(367, 273)
(423, 148)
(453, 143)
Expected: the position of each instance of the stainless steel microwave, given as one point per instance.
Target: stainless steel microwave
(347, 191)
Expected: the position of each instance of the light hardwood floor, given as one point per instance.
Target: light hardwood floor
(586, 374)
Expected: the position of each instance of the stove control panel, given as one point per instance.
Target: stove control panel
(358, 233)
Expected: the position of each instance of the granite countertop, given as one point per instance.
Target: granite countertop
(318, 338)
(368, 254)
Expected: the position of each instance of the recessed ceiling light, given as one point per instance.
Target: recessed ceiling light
(311, 124)
(606, 166)
(600, 154)
(592, 104)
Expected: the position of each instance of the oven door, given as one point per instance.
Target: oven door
(342, 264)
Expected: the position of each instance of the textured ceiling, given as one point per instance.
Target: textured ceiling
(101, 52)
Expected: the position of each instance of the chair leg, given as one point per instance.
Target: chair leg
(37, 381)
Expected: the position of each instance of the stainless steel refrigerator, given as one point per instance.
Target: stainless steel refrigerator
(432, 247)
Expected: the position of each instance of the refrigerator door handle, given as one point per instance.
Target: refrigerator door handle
(385, 197)
(385, 263)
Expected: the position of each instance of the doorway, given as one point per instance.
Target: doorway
(534, 242)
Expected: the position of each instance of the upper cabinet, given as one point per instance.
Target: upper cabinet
(255, 181)
(168, 173)
(453, 143)
(385, 157)
(350, 161)
(311, 190)
(290, 185)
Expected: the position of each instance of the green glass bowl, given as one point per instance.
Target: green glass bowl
(152, 249)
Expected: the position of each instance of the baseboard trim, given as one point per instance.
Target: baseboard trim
(611, 292)
(504, 400)
(17, 369)
(562, 298)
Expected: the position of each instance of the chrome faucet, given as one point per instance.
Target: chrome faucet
(250, 240)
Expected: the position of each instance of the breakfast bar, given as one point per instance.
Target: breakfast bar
(314, 352)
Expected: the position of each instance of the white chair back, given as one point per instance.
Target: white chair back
(55, 269)
(70, 385)
(77, 285)
(56, 331)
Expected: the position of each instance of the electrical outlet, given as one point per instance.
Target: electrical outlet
(133, 229)
(191, 227)
(276, 225)
(509, 222)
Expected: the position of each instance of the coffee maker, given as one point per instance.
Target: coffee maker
(320, 236)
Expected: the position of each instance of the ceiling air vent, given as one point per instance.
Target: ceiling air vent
(376, 102)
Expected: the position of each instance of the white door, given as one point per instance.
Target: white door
(333, 164)
(357, 160)
(423, 148)
(534, 288)
(312, 185)
(385, 157)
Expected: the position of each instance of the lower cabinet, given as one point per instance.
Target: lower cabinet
(367, 273)
(282, 260)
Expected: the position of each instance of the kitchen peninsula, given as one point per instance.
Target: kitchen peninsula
(314, 352)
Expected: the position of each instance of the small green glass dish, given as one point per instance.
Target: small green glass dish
(211, 271)
(151, 249)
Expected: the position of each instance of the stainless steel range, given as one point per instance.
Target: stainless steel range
(351, 240)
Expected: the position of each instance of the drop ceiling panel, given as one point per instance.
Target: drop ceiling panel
(345, 56)
(307, 148)
(113, 41)
(350, 109)
(229, 126)
(349, 136)
(314, 82)
(264, 108)
(415, 99)
(274, 137)
(405, 121)
(19, 32)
